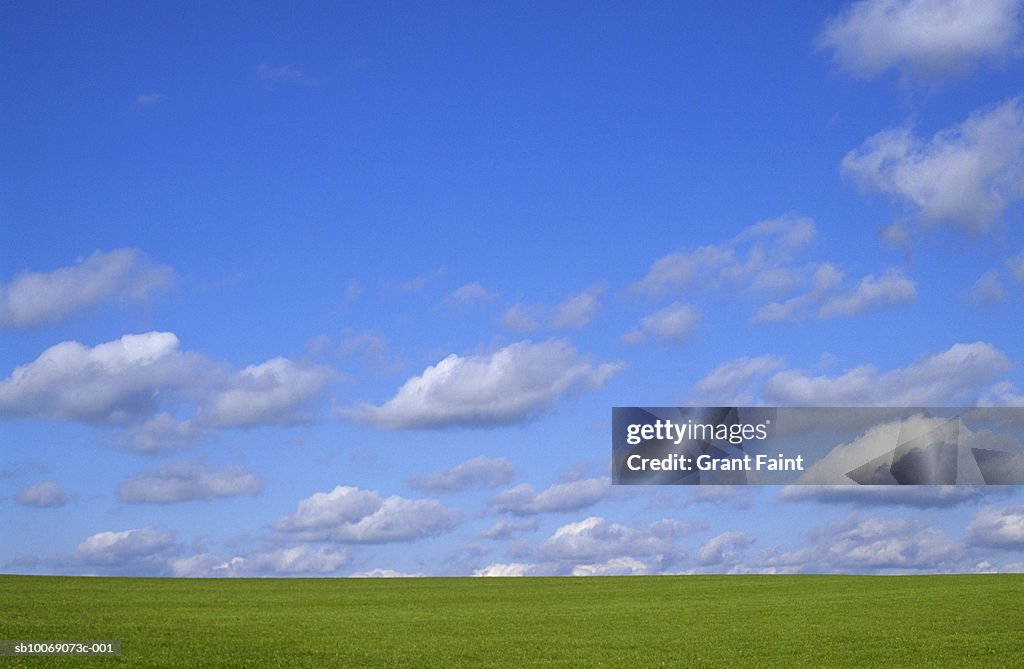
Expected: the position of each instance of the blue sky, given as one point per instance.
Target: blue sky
(351, 288)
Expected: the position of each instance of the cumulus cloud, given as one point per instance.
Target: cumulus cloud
(764, 259)
(671, 324)
(351, 515)
(922, 38)
(287, 561)
(521, 318)
(113, 383)
(724, 549)
(966, 175)
(917, 496)
(759, 257)
(579, 309)
(128, 381)
(959, 375)
(275, 392)
(988, 289)
(37, 298)
(135, 551)
(185, 481)
(954, 375)
(883, 544)
(595, 539)
(469, 293)
(891, 288)
(731, 383)
(1016, 266)
(163, 432)
(621, 566)
(479, 473)
(998, 528)
(572, 496)
(43, 495)
(510, 385)
(504, 529)
(508, 569)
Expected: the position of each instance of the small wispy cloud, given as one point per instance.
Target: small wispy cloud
(274, 75)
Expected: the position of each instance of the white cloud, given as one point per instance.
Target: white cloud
(275, 392)
(918, 496)
(113, 383)
(595, 539)
(579, 309)
(730, 384)
(1016, 266)
(572, 496)
(760, 257)
(966, 175)
(352, 515)
(130, 551)
(952, 376)
(504, 529)
(521, 318)
(147, 99)
(37, 298)
(988, 289)
(288, 561)
(880, 544)
(891, 288)
(128, 381)
(469, 293)
(185, 481)
(479, 473)
(161, 433)
(959, 375)
(621, 566)
(273, 75)
(507, 569)
(43, 495)
(926, 38)
(671, 324)
(510, 385)
(998, 528)
(724, 549)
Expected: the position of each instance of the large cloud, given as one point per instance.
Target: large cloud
(37, 298)
(135, 551)
(998, 528)
(352, 515)
(966, 175)
(131, 382)
(113, 383)
(927, 38)
(572, 496)
(510, 385)
(184, 481)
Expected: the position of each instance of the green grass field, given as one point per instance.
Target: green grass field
(821, 621)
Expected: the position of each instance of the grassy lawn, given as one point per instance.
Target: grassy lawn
(666, 621)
